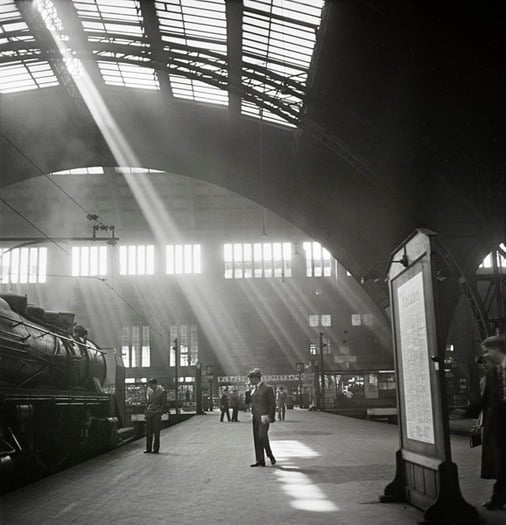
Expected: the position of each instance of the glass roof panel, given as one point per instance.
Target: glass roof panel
(278, 42)
(252, 110)
(278, 38)
(197, 90)
(119, 23)
(22, 69)
(25, 75)
(128, 75)
(194, 36)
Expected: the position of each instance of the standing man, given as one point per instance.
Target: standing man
(155, 407)
(224, 405)
(493, 460)
(234, 404)
(281, 403)
(263, 410)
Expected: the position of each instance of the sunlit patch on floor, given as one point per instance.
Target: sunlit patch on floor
(292, 449)
(303, 493)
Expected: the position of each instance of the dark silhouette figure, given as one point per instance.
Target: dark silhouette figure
(155, 407)
(234, 405)
(224, 405)
(263, 410)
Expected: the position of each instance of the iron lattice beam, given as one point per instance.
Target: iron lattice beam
(49, 49)
(154, 41)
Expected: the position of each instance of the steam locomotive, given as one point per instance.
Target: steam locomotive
(61, 396)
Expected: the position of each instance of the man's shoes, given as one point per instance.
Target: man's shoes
(155, 452)
(258, 465)
(147, 452)
(493, 505)
(273, 461)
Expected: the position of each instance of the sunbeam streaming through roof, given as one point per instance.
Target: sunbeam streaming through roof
(150, 203)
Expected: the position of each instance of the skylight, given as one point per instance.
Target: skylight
(26, 74)
(113, 21)
(278, 41)
(119, 24)
(128, 75)
(194, 37)
(21, 68)
(182, 43)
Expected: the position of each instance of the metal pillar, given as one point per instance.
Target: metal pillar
(176, 377)
(198, 387)
(322, 375)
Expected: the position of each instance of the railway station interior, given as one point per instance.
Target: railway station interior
(191, 189)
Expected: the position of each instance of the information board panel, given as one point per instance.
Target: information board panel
(425, 475)
(415, 364)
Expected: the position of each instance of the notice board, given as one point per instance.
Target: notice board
(426, 476)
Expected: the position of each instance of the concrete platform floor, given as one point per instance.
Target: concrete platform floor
(331, 469)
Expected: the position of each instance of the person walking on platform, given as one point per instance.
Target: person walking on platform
(155, 407)
(263, 410)
(281, 403)
(234, 405)
(224, 405)
(493, 459)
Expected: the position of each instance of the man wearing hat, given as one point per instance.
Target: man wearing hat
(493, 460)
(263, 410)
(155, 407)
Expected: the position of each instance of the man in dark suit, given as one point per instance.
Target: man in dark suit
(263, 410)
(224, 405)
(494, 420)
(155, 407)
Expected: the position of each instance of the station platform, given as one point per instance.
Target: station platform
(330, 469)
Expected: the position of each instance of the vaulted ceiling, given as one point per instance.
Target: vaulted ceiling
(357, 122)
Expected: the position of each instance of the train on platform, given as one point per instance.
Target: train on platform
(61, 395)
(365, 393)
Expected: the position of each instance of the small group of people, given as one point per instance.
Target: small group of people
(230, 401)
(263, 410)
(227, 402)
(265, 404)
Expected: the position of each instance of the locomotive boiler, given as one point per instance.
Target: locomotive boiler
(61, 396)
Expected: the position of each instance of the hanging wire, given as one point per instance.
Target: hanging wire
(45, 235)
(262, 189)
(89, 216)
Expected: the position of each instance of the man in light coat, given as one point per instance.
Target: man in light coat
(263, 410)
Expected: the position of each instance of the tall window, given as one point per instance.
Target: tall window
(318, 260)
(135, 346)
(136, 260)
(183, 258)
(89, 261)
(23, 265)
(187, 336)
(244, 261)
